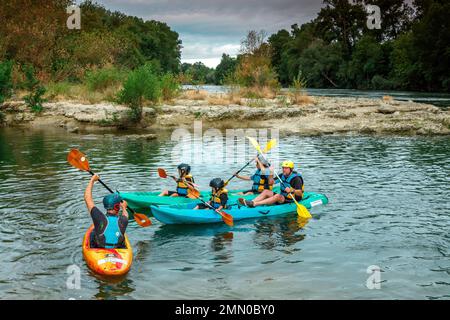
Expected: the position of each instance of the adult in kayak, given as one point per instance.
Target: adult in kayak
(219, 196)
(109, 228)
(291, 182)
(185, 182)
(262, 178)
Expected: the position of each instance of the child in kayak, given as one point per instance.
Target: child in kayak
(262, 178)
(185, 182)
(291, 182)
(109, 228)
(219, 196)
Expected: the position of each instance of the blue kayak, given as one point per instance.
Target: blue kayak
(185, 214)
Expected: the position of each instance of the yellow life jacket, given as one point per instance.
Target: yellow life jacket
(215, 198)
(261, 181)
(182, 187)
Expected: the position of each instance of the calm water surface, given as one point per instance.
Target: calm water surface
(388, 207)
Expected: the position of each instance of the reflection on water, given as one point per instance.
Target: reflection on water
(111, 289)
(283, 232)
(388, 207)
(221, 246)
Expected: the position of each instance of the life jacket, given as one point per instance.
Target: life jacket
(112, 236)
(261, 181)
(287, 183)
(182, 188)
(215, 198)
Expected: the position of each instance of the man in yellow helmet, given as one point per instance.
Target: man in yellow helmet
(291, 183)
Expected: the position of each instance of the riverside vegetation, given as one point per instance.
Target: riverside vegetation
(120, 60)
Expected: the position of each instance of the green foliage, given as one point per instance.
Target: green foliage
(142, 84)
(337, 50)
(55, 89)
(226, 67)
(367, 61)
(6, 84)
(101, 79)
(198, 73)
(2, 117)
(33, 34)
(170, 86)
(34, 99)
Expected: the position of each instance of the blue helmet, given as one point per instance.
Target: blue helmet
(111, 200)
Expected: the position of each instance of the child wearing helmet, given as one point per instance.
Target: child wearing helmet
(109, 228)
(291, 183)
(262, 178)
(185, 182)
(219, 195)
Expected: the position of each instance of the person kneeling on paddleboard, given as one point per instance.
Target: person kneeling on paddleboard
(109, 229)
(219, 196)
(262, 178)
(185, 182)
(291, 182)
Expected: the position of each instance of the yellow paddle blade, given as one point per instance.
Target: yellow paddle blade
(272, 143)
(302, 222)
(302, 211)
(255, 144)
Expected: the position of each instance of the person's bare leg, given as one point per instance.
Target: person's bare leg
(164, 193)
(276, 198)
(174, 195)
(264, 195)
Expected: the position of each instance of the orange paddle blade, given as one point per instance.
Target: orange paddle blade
(193, 194)
(78, 159)
(142, 220)
(227, 218)
(162, 173)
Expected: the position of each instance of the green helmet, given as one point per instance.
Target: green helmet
(111, 201)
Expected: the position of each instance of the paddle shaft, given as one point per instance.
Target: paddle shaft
(109, 189)
(234, 175)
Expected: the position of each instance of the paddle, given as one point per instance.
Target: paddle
(227, 218)
(301, 209)
(195, 194)
(192, 193)
(269, 146)
(77, 159)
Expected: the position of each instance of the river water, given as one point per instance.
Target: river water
(388, 208)
(435, 98)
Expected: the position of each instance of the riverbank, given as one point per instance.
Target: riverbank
(316, 116)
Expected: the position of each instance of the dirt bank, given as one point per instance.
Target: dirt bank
(324, 115)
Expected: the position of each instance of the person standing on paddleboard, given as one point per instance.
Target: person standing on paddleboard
(262, 178)
(291, 182)
(109, 228)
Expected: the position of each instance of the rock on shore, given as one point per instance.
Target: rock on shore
(324, 115)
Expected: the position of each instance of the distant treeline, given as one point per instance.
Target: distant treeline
(411, 51)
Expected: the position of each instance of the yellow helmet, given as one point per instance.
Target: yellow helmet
(288, 164)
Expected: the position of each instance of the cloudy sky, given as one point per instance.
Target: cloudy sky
(209, 28)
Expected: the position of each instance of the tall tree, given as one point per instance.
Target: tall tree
(342, 21)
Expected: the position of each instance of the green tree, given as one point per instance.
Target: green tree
(226, 67)
(320, 64)
(342, 21)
